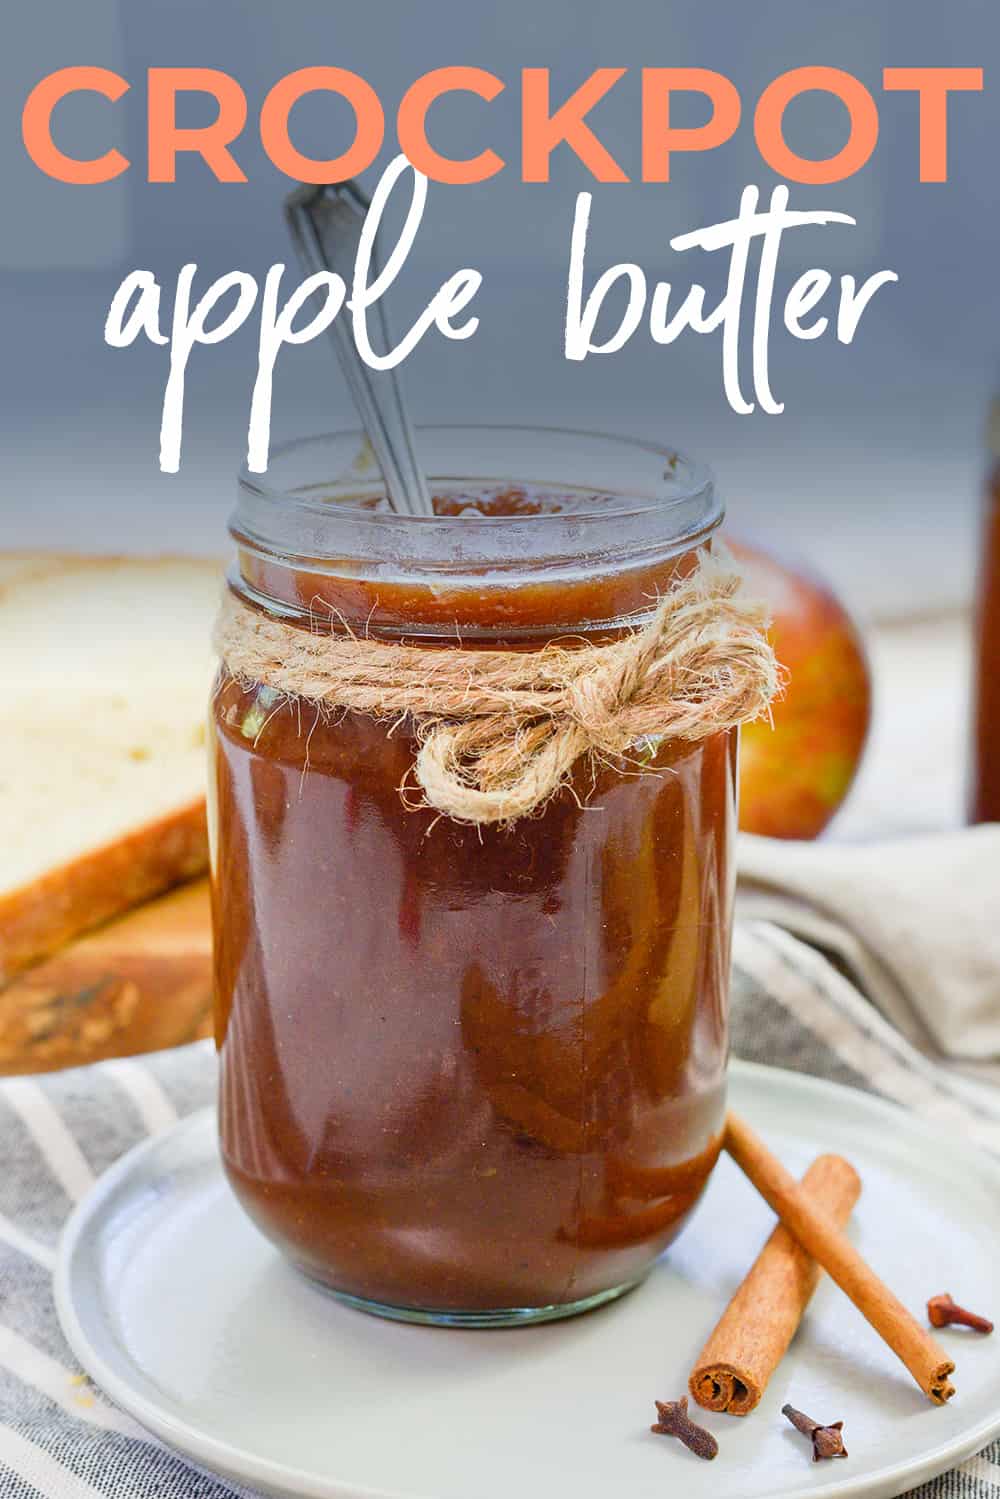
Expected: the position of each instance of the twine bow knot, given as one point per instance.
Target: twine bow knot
(499, 731)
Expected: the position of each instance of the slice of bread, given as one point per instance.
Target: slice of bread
(105, 675)
(140, 983)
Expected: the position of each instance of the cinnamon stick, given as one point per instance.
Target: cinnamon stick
(821, 1237)
(754, 1332)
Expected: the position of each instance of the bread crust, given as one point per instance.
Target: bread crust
(18, 568)
(74, 897)
(140, 983)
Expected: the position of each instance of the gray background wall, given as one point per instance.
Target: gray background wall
(874, 467)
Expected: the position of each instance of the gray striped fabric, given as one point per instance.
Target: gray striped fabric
(59, 1437)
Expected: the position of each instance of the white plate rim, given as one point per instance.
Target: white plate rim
(239, 1466)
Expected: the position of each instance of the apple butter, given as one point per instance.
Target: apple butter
(985, 789)
(469, 1074)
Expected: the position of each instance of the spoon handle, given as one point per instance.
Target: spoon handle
(326, 224)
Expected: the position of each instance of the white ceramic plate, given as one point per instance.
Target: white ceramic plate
(187, 1318)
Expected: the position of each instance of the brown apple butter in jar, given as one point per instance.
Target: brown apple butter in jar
(985, 790)
(469, 1074)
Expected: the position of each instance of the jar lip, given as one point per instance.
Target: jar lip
(623, 504)
(698, 482)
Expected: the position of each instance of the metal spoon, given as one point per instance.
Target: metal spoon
(326, 223)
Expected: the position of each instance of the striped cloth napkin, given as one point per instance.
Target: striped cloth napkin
(59, 1437)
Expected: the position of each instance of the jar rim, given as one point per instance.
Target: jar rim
(643, 504)
(700, 481)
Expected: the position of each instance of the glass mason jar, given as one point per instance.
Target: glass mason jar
(469, 1074)
(984, 800)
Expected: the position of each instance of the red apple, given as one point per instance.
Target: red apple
(794, 776)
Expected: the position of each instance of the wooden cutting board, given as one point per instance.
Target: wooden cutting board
(141, 983)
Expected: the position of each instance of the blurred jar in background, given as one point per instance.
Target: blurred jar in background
(985, 798)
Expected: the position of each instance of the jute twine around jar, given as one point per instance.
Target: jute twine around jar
(500, 730)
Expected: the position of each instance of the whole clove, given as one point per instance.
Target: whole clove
(943, 1312)
(827, 1440)
(674, 1421)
